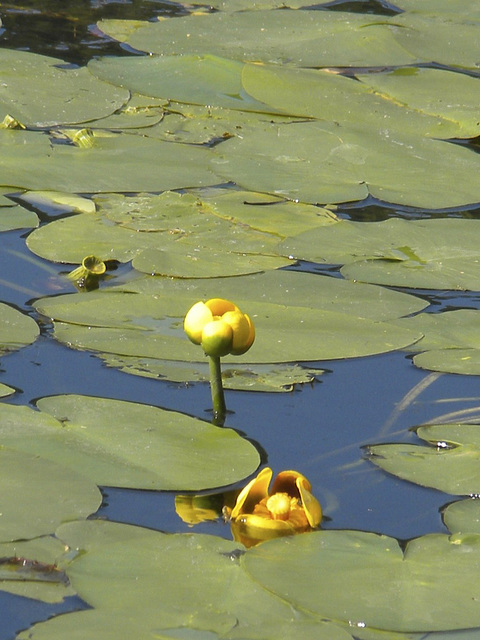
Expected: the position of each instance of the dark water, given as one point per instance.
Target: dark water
(319, 429)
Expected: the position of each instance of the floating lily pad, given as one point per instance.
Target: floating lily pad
(368, 581)
(150, 325)
(450, 464)
(180, 582)
(463, 516)
(276, 377)
(16, 329)
(17, 217)
(115, 162)
(28, 483)
(434, 254)
(34, 569)
(125, 444)
(42, 91)
(304, 38)
(450, 343)
(178, 237)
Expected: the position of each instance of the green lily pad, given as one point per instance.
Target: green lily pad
(41, 91)
(16, 329)
(115, 162)
(276, 377)
(28, 483)
(183, 238)
(34, 569)
(304, 38)
(463, 516)
(437, 92)
(450, 464)
(180, 582)
(5, 390)
(150, 325)
(140, 447)
(17, 217)
(444, 38)
(450, 343)
(434, 254)
(369, 582)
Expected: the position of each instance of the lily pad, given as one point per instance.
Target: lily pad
(141, 447)
(17, 217)
(450, 343)
(434, 254)
(54, 202)
(276, 377)
(34, 569)
(16, 329)
(304, 38)
(116, 162)
(449, 464)
(41, 91)
(180, 582)
(150, 325)
(463, 516)
(368, 581)
(178, 237)
(31, 481)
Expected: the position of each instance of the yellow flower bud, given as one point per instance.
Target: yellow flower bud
(220, 327)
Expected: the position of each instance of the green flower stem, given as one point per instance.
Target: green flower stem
(216, 387)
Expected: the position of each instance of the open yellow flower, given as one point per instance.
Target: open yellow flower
(287, 508)
(219, 327)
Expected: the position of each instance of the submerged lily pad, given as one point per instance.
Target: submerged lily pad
(124, 444)
(42, 91)
(28, 483)
(450, 464)
(369, 582)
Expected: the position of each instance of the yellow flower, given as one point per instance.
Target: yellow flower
(220, 327)
(288, 508)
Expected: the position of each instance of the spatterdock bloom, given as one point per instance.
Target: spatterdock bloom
(261, 513)
(219, 327)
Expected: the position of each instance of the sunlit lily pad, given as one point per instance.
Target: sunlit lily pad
(304, 38)
(125, 444)
(434, 254)
(54, 202)
(115, 162)
(28, 483)
(450, 464)
(150, 325)
(368, 581)
(463, 516)
(42, 91)
(180, 582)
(183, 238)
(17, 217)
(16, 329)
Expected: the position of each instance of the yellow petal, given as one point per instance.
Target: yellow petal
(217, 338)
(286, 482)
(251, 529)
(219, 306)
(255, 491)
(195, 320)
(311, 505)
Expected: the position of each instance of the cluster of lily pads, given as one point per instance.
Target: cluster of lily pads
(150, 160)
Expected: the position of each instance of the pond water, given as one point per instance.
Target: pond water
(319, 428)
